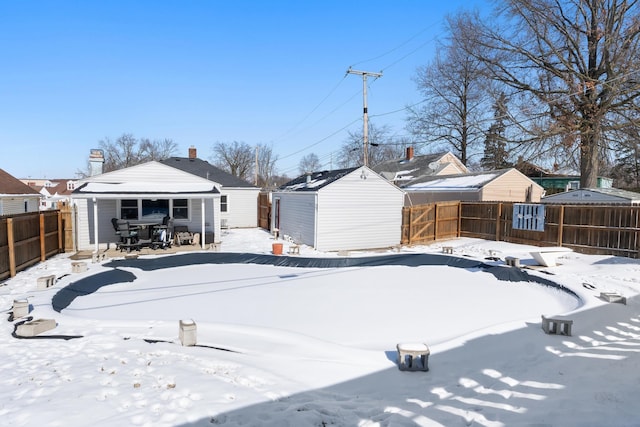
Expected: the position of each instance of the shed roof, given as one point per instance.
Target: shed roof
(315, 180)
(581, 195)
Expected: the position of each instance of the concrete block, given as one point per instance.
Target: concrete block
(188, 332)
(447, 249)
(35, 327)
(512, 261)
(613, 297)
(556, 326)
(78, 266)
(410, 353)
(20, 308)
(46, 282)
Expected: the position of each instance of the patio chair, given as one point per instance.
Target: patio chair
(163, 234)
(128, 236)
(182, 235)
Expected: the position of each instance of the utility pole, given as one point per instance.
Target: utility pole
(365, 130)
(256, 167)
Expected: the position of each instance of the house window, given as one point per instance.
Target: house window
(224, 203)
(155, 209)
(181, 209)
(129, 209)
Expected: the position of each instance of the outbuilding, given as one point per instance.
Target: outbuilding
(610, 196)
(345, 209)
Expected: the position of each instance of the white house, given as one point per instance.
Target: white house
(147, 191)
(344, 209)
(238, 198)
(16, 197)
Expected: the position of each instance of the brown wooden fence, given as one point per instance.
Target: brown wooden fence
(426, 223)
(591, 229)
(27, 239)
(264, 211)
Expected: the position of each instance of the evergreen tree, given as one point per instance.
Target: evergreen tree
(495, 144)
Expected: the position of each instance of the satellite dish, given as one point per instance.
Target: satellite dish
(433, 166)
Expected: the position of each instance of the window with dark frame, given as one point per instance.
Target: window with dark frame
(180, 209)
(129, 209)
(224, 203)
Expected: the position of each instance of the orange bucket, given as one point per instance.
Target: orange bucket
(276, 248)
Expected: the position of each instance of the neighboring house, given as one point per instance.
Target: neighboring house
(53, 191)
(594, 196)
(16, 197)
(506, 185)
(344, 209)
(238, 198)
(410, 167)
(150, 190)
(558, 180)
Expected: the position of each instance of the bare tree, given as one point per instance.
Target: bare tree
(382, 147)
(456, 98)
(309, 163)
(127, 151)
(576, 58)
(237, 158)
(266, 165)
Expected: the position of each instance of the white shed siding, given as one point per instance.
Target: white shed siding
(242, 207)
(356, 213)
(297, 215)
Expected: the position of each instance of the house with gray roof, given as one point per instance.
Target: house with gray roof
(238, 198)
(405, 169)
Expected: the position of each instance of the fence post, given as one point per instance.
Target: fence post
(43, 249)
(560, 223)
(498, 217)
(60, 248)
(435, 222)
(12, 248)
(459, 219)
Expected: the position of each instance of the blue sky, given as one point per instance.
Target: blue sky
(200, 72)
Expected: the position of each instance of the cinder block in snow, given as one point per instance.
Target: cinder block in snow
(188, 332)
(78, 266)
(45, 282)
(20, 308)
(35, 327)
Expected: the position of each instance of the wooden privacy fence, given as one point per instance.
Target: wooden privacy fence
(590, 229)
(27, 239)
(434, 221)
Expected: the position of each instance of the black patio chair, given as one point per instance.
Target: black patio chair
(128, 236)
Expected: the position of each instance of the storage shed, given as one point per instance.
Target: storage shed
(505, 185)
(346, 209)
(594, 196)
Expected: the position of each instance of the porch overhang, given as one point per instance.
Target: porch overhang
(148, 190)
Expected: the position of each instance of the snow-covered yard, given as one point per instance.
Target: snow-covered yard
(281, 345)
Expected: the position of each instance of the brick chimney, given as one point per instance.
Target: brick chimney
(193, 153)
(409, 153)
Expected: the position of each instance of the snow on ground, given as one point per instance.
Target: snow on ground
(288, 346)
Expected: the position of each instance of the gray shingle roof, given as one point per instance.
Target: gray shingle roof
(206, 170)
(315, 180)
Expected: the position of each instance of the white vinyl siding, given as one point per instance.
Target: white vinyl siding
(17, 205)
(297, 216)
(358, 213)
(242, 207)
(348, 214)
